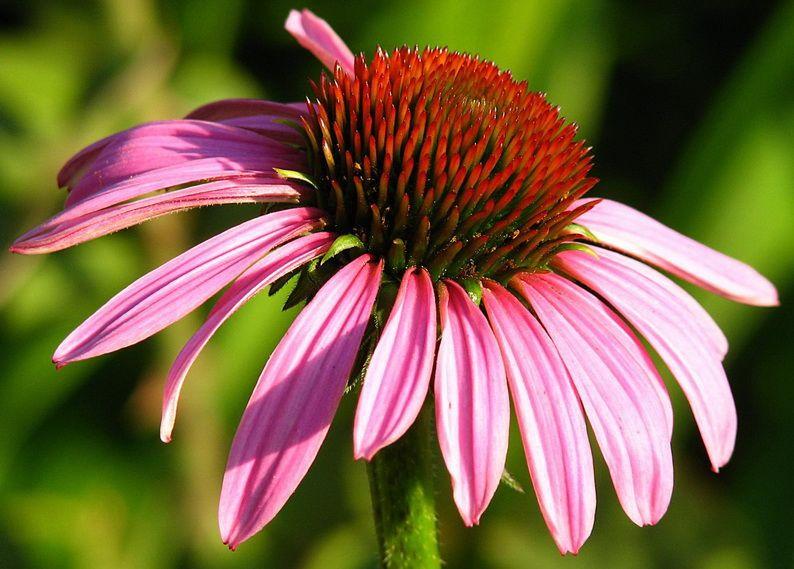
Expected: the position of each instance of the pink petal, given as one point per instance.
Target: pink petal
(217, 111)
(54, 234)
(270, 127)
(550, 418)
(619, 390)
(154, 146)
(624, 228)
(697, 316)
(76, 164)
(263, 117)
(171, 291)
(273, 266)
(472, 406)
(293, 403)
(226, 109)
(669, 326)
(318, 37)
(198, 171)
(399, 371)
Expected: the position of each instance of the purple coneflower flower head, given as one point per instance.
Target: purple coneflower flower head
(432, 211)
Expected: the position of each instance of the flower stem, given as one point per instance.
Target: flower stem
(401, 485)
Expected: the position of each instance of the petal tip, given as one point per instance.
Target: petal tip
(360, 452)
(772, 300)
(59, 361)
(717, 463)
(316, 35)
(167, 422)
(293, 21)
(566, 550)
(61, 357)
(226, 536)
(763, 293)
(655, 518)
(471, 519)
(571, 544)
(22, 246)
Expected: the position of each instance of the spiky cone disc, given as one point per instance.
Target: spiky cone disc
(439, 159)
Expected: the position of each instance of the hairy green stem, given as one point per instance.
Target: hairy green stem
(401, 485)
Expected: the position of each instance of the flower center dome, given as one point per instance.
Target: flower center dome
(442, 160)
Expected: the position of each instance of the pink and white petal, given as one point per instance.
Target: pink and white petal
(697, 316)
(629, 415)
(399, 372)
(669, 327)
(293, 403)
(54, 235)
(550, 418)
(226, 109)
(472, 403)
(155, 146)
(171, 291)
(318, 37)
(624, 228)
(273, 266)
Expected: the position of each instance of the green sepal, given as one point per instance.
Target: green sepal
(309, 282)
(581, 230)
(282, 281)
(508, 480)
(363, 357)
(295, 175)
(380, 313)
(342, 243)
(573, 246)
(292, 124)
(474, 288)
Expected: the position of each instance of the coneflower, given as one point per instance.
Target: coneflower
(430, 209)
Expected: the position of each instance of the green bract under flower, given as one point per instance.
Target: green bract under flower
(441, 160)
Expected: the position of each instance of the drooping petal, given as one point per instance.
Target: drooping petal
(318, 37)
(273, 266)
(399, 372)
(271, 127)
(264, 117)
(697, 316)
(618, 387)
(164, 146)
(670, 328)
(472, 404)
(54, 234)
(226, 109)
(74, 167)
(195, 172)
(292, 405)
(550, 418)
(626, 229)
(171, 291)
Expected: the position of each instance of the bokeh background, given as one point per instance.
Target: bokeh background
(690, 108)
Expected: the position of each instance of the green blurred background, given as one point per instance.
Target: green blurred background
(690, 108)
